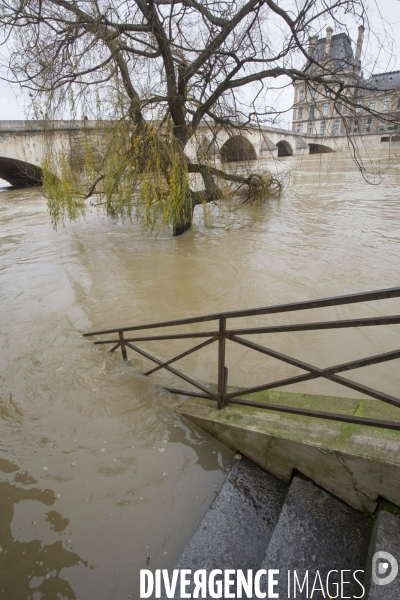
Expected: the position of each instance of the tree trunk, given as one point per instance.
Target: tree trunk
(184, 223)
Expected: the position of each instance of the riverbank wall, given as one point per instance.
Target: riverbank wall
(357, 463)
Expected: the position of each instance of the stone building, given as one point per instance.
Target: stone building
(375, 102)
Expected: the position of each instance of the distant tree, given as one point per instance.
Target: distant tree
(158, 69)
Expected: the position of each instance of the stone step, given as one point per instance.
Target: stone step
(236, 530)
(381, 568)
(317, 532)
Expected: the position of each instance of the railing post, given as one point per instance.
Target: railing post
(123, 348)
(222, 376)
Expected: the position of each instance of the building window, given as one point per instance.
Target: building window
(323, 128)
(336, 127)
(372, 104)
(301, 95)
(313, 94)
(312, 111)
(325, 109)
(386, 102)
(310, 128)
(359, 107)
(381, 127)
(338, 107)
(369, 122)
(299, 128)
(300, 113)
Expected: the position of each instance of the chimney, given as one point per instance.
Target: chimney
(361, 30)
(328, 43)
(312, 41)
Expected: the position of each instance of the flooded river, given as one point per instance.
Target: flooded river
(98, 476)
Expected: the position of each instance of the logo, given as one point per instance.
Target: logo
(384, 568)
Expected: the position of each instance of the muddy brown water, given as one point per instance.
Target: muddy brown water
(97, 473)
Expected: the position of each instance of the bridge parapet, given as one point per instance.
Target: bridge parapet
(34, 126)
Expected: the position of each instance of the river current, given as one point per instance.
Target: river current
(98, 476)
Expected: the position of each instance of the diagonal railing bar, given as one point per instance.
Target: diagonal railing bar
(187, 393)
(271, 385)
(275, 354)
(329, 372)
(178, 336)
(196, 384)
(171, 360)
(349, 366)
(320, 414)
(364, 362)
(359, 387)
(294, 306)
(114, 347)
(311, 372)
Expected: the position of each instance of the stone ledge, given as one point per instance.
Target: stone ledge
(354, 462)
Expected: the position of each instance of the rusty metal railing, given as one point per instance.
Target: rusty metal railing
(220, 335)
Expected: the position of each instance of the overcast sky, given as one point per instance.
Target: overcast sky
(384, 15)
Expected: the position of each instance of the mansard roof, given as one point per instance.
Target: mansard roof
(380, 82)
(341, 52)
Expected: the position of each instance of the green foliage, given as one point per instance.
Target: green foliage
(138, 171)
(62, 198)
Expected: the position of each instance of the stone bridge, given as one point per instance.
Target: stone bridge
(22, 145)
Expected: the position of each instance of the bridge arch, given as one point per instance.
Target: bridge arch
(319, 149)
(238, 148)
(284, 148)
(20, 173)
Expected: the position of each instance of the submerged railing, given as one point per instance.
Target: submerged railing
(312, 372)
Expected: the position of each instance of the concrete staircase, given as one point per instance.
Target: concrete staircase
(256, 522)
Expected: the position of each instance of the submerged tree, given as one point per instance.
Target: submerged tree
(157, 70)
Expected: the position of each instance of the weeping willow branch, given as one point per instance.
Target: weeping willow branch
(138, 171)
(259, 186)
